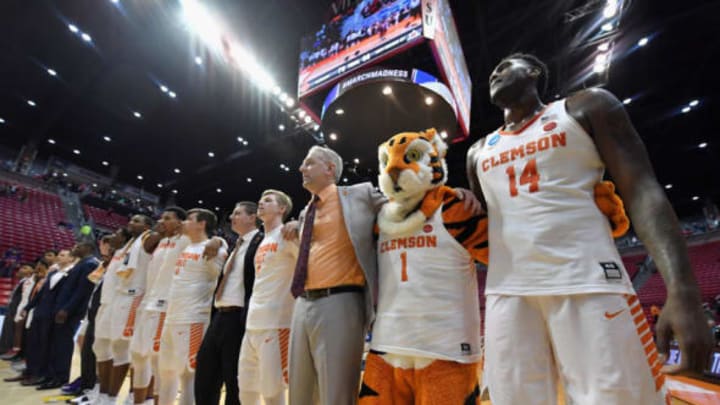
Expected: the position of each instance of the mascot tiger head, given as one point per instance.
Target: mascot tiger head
(411, 163)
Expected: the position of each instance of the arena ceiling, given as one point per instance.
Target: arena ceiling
(132, 48)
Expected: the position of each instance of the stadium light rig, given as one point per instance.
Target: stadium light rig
(213, 34)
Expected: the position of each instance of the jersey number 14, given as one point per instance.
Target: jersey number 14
(529, 176)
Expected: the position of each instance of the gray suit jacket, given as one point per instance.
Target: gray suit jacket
(360, 204)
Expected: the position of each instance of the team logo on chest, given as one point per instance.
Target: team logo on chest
(493, 140)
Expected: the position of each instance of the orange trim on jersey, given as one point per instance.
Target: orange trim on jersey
(284, 341)
(645, 335)
(196, 336)
(501, 131)
(158, 332)
(130, 323)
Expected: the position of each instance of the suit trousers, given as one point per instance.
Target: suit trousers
(88, 362)
(327, 336)
(61, 350)
(217, 359)
(38, 347)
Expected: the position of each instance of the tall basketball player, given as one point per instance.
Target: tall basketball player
(558, 297)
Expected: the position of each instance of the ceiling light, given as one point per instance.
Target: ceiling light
(2, 120)
(200, 201)
(333, 136)
(627, 101)
(139, 177)
(137, 114)
(174, 191)
(668, 186)
(249, 180)
(211, 154)
(443, 134)
(301, 113)
(52, 72)
(107, 138)
(94, 184)
(339, 111)
(429, 100)
(276, 90)
(73, 28)
(308, 119)
(289, 102)
(387, 90)
(282, 165)
(105, 163)
(604, 47)
(219, 190)
(686, 110)
(316, 127)
(198, 60)
(695, 198)
(240, 139)
(172, 94)
(114, 191)
(76, 151)
(159, 185)
(176, 170)
(643, 41)
(287, 169)
(51, 141)
(702, 145)
(163, 88)
(281, 127)
(694, 103)
(607, 27)
(345, 180)
(356, 161)
(115, 1)
(217, 208)
(31, 103)
(599, 67)
(610, 9)
(65, 174)
(245, 143)
(86, 37)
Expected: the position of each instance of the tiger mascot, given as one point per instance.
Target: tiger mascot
(425, 346)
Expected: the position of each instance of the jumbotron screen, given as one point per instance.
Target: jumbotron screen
(357, 37)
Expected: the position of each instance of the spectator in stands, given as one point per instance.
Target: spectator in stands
(50, 256)
(70, 307)
(11, 338)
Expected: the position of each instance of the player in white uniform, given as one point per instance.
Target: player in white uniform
(129, 289)
(263, 364)
(166, 243)
(559, 300)
(188, 312)
(102, 346)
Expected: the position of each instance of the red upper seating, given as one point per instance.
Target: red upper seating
(32, 225)
(104, 218)
(705, 260)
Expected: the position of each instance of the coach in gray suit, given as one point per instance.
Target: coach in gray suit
(334, 282)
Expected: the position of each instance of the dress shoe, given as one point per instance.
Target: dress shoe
(50, 385)
(34, 381)
(17, 378)
(72, 388)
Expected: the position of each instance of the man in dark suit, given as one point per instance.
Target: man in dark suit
(43, 312)
(217, 359)
(70, 307)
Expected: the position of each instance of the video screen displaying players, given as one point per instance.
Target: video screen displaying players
(355, 38)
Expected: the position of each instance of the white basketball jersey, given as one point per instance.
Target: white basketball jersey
(428, 296)
(271, 302)
(110, 277)
(546, 235)
(162, 269)
(193, 284)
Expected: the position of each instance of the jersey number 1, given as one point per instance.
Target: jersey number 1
(529, 176)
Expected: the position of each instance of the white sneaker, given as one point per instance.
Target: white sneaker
(88, 396)
(129, 399)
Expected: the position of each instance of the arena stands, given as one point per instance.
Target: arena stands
(105, 218)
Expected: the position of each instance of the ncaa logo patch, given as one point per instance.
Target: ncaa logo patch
(427, 228)
(494, 139)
